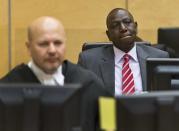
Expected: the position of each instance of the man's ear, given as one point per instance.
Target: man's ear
(136, 25)
(27, 44)
(28, 47)
(108, 34)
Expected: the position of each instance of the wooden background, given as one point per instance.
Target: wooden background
(84, 21)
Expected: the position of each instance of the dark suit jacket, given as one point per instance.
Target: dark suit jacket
(73, 74)
(101, 61)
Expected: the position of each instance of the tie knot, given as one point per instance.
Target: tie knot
(126, 57)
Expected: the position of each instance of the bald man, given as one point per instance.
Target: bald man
(46, 45)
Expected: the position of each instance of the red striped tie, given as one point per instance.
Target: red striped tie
(127, 77)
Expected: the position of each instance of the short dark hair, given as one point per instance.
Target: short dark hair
(115, 10)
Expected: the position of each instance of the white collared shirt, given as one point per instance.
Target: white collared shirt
(55, 79)
(134, 65)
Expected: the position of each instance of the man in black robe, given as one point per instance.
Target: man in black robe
(46, 45)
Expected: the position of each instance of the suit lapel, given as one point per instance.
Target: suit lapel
(142, 55)
(107, 69)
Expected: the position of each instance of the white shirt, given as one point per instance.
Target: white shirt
(55, 79)
(134, 65)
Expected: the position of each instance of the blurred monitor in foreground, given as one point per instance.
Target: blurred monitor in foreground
(155, 111)
(40, 108)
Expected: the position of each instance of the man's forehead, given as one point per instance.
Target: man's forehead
(44, 24)
(47, 32)
(120, 14)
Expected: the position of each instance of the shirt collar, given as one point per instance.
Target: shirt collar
(119, 54)
(45, 78)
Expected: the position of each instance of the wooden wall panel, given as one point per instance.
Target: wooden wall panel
(3, 37)
(83, 20)
(153, 14)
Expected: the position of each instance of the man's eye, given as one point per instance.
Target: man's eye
(44, 44)
(127, 21)
(114, 25)
(58, 42)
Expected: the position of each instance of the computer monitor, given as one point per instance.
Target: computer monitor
(169, 37)
(156, 111)
(162, 73)
(40, 108)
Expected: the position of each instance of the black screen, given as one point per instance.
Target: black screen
(162, 73)
(169, 37)
(156, 111)
(39, 108)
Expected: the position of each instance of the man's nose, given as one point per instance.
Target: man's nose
(52, 48)
(123, 28)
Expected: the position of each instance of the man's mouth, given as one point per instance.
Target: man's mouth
(126, 36)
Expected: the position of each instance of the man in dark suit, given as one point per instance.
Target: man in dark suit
(107, 61)
(46, 45)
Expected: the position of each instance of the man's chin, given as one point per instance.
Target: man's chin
(125, 45)
(50, 71)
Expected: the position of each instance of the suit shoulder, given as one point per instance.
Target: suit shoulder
(76, 72)
(153, 50)
(17, 73)
(17, 70)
